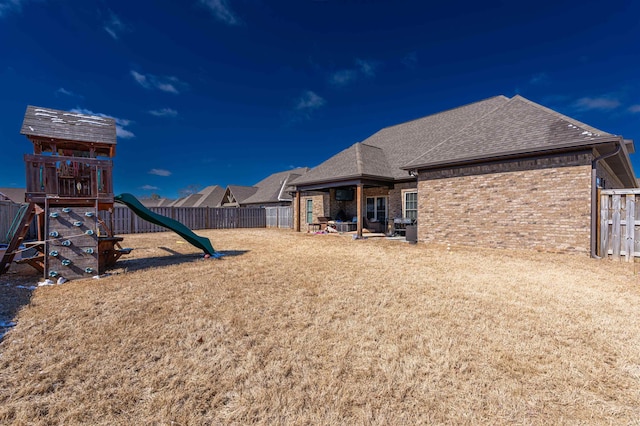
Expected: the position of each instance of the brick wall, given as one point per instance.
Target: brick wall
(320, 207)
(541, 203)
(395, 198)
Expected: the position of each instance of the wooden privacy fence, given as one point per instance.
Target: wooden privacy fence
(619, 223)
(8, 212)
(279, 217)
(124, 221)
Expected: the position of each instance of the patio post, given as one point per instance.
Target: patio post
(359, 194)
(296, 212)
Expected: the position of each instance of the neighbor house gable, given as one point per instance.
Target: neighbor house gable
(235, 195)
(272, 189)
(211, 196)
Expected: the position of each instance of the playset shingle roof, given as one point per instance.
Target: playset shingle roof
(68, 126)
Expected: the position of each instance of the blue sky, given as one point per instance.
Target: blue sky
(229, 91)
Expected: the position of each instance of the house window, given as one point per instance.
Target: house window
(309, 211)
(410, 204)
(377, 208)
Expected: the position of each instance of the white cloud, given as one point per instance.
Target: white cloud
(362, 68)
(601, 103)
(7, 6)
(121, 123)
(123, 133)
(367, 68)
(634, 108)
(164, 112)
(141, 79)
(309, 101)
(149, 187)
(114, 26)
(342, 77)
(304, 106)
(168, 84)
(65, 92)
(221, 11)
(160, 172)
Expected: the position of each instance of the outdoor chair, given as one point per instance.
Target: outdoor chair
(373, 225)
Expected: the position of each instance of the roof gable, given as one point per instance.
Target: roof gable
(236, 194)
(341, 165)
(272, 188)
(211, 196)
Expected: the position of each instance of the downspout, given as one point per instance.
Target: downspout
(594, 198)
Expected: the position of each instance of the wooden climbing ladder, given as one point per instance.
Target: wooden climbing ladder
(18, 237)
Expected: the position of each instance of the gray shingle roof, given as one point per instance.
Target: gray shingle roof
(487, 129)
(159, 202)
(188, 201)
(65, 125)
(399, 144)
(271, 188)
(211, 196)
(241, 193)
(13, 194)
(518, 126)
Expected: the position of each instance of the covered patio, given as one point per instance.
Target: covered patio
(348, 205)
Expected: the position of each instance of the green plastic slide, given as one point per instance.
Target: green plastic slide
(166, 222)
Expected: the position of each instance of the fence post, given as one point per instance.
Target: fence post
(604, 225)
(630, 237)
(615, 227)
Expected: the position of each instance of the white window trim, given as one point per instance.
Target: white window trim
(404, 200)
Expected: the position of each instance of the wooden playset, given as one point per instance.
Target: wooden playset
(69, 181)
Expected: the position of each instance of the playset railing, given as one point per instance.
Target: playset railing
(68, 177)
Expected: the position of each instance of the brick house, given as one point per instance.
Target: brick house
(502, 172)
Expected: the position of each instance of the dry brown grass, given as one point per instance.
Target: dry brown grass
(301, 329)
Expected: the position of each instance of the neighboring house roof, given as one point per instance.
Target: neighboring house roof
(156, 202)
(69, 126)
(236, 194)
(188, 201)
(485, 130)
(12, 194)
(273, 189)
(211, 196)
